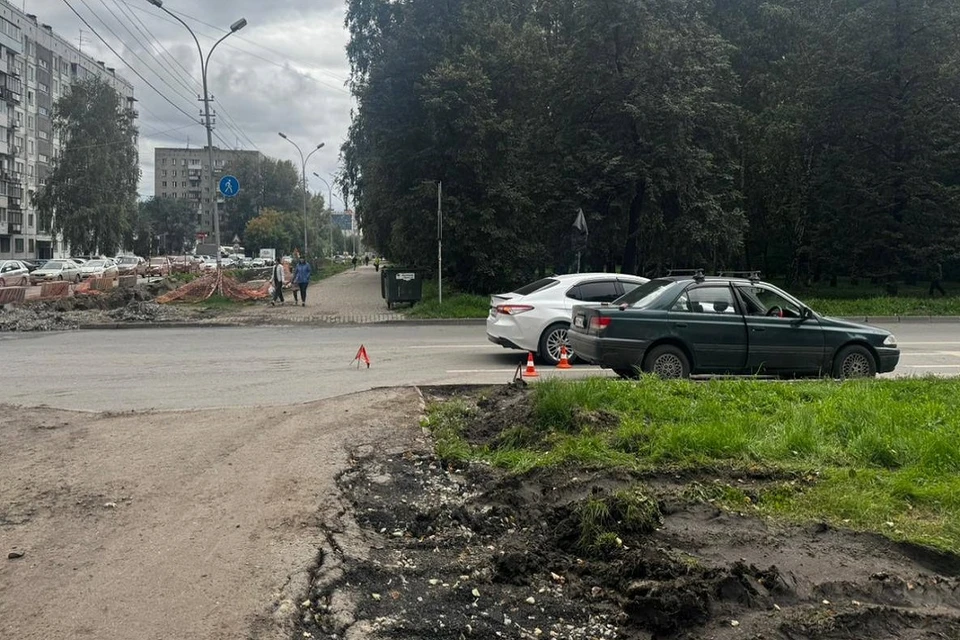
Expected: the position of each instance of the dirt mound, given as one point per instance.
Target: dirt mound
(469, 552)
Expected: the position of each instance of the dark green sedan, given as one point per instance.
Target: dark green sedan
(679, 326)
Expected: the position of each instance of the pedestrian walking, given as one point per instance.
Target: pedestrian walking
(354, 263)
(278, 278)
(301, 279)
(376, 264)
(366, 261)
(936, 278)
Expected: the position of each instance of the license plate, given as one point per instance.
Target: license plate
(578, 322)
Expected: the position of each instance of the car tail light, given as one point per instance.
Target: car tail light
(513, 309)
(600, 322)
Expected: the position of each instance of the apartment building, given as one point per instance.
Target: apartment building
(182, 173)
(36, 67)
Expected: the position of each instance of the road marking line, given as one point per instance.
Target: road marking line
(934, 366)
(914, 344)
(451, 346)
(929, 353)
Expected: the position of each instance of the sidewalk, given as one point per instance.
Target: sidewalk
(351, 297)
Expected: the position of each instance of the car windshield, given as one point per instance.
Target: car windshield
(533, 287)
(158, 261)
(644, 295)
(94, 263)
(128, 261)
(54, 265)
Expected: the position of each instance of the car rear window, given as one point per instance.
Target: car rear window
(646, 294)
(533, 287)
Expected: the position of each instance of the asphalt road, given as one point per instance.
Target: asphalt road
(229, 367)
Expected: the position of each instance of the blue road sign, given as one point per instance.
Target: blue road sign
(229, 186)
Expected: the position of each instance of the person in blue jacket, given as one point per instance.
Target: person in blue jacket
(301, 277)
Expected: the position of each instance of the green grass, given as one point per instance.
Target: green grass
(455, 304)
(328, 269)
(886, 306)
(879, 455)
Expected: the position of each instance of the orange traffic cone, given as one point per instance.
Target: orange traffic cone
(564, 363)
(531, 371)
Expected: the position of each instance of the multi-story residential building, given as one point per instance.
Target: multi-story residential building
(183, 173)
(36, 67)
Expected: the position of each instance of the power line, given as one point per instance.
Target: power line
(184, 78)
(137, 73)
(147, 65)
(184, 73)
(244, 51)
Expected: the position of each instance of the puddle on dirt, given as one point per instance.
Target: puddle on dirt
(474, 553)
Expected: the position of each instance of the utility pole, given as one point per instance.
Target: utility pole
(329, 208)
(440, 241)
(208, 123)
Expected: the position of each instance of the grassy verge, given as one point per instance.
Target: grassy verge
(220, 303)
(886, 306)
(455, 304)
(869, 455)
(327, 270)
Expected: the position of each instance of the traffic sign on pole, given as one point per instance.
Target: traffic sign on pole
(229, 186)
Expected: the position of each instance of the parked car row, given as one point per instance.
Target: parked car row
(683, 325)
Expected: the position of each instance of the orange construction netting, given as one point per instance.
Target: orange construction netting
(211, 283)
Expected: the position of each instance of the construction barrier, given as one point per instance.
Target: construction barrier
(127, 282)
(12, 295)
(101, 284)
(54, 289)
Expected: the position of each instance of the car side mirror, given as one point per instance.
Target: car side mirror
(623, 306)
(805, 313)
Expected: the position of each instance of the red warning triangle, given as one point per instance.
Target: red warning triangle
(362, 357)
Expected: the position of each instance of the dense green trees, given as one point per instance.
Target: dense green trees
(90, 197)
(804, 137)
(267, 184)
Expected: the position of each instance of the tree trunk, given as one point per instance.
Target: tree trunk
(633, 229)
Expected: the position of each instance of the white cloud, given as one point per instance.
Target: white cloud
(285, 72)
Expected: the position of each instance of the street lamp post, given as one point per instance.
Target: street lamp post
(204, 65)
(439, 238)
(330, 207)
(303, 172)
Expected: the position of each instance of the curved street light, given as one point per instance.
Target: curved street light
(303, 172)
(329, 206)
(204, 65)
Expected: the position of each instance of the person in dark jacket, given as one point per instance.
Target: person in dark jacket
(301, 278)
(936, 277)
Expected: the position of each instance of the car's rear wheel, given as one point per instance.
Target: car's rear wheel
(59, 277)
(854, 361)
(667, 361)
(552, 340)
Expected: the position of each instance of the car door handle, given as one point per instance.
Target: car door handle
(680, 325)
(758, 329)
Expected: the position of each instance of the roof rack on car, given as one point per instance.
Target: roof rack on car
(753, 274)
(696, 273)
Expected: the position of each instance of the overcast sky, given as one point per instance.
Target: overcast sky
(285, 71)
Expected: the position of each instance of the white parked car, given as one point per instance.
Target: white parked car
(536, 317)
(56, 270)
(106, 268)
(14, 273)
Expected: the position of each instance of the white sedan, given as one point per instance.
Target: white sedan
(101, 268)
(536, 317)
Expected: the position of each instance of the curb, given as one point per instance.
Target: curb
(902, 319)
(429, 322)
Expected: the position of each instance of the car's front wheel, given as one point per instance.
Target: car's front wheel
(667, 361)
(854, 361)
(551, 342)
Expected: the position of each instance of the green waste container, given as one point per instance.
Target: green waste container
(400, 285)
